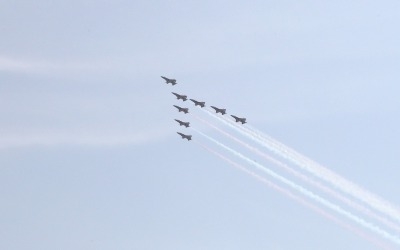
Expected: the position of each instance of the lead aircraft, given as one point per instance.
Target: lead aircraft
(167, 80)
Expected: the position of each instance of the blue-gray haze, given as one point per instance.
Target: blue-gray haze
(89, 155)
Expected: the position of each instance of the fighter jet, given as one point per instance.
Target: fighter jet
(181, 123)
(201, 104)
(178, 96)
(172, 81)
(238, 119)
(188, 137)
(184, 110)
(217, 110)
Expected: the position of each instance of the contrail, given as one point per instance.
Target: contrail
(356, 191)
(316, 169)
(296, 198)
(309, 194)
(322, 187)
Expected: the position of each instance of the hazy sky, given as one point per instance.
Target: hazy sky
(88, 151)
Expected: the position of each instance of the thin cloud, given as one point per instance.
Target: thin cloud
(80, 139)
(45, 66)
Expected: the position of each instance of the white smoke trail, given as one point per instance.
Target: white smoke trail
(322, 187)
(309, 194)
(297, 198)
(339, 182)
(356, 191)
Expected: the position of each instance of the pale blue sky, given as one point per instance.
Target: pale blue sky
(88, 151)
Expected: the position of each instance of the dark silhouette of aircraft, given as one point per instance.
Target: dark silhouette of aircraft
(178, 96)
(167, 80)
(188, 137)
(201, 104)
(238, 119)
(184, 110)
(217, 110)
(181, 123)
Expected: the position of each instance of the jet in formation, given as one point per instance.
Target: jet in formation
(201, 104)
(181, 123)
(178, 96)
(238, 119)
(167, 80)
(188, 137)
(217, 110)
(184, 110)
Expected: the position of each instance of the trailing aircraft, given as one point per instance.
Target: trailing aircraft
(238, 119)
(181, 123)
(184, 110)
(217, 110)
(188, 137)
(201, 104)
(178, 96)
(167, 80)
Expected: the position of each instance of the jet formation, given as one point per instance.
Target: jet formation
(196, 103)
